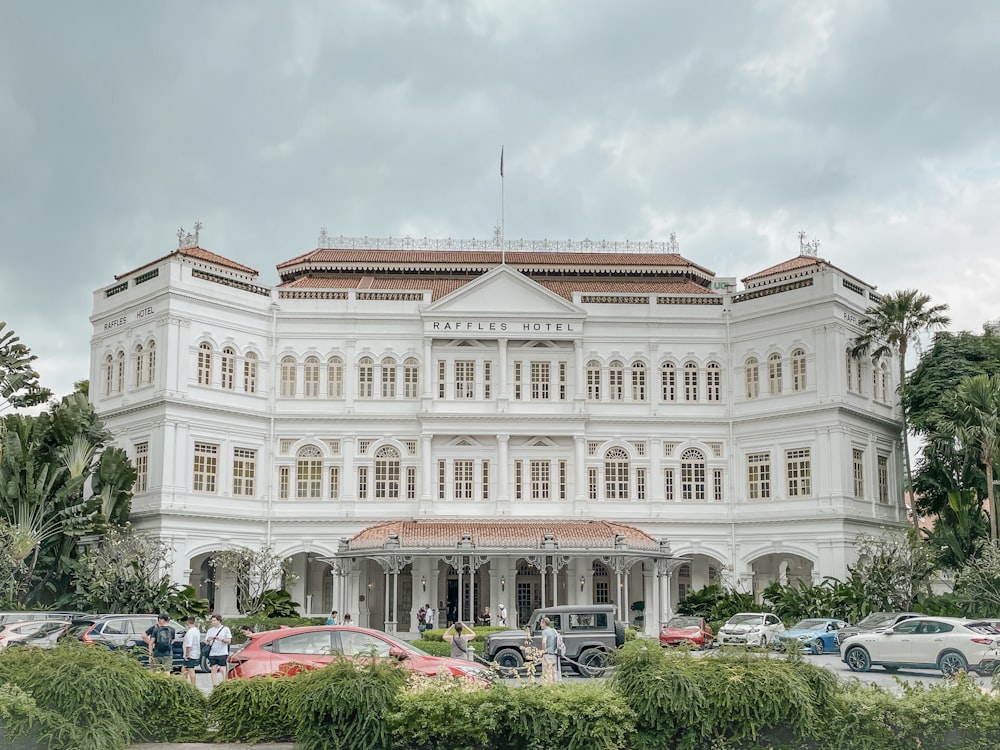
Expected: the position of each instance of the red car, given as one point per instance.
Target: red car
(683, 629)
(288, 651)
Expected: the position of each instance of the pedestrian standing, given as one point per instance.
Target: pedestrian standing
(192, 650)
(429, 618)
(347, 619)
(218, 638)
(550, 652)
(332, 619)
(160, 639)
(502, 615)
(459, 635)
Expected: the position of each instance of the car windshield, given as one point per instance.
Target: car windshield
(745, 619)
(683, 622)
(809, 625)
(876, 619)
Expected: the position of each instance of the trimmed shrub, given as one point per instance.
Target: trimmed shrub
(435, 648)
(25, 726)
(173, 710)
(447, 715)
(259, 709)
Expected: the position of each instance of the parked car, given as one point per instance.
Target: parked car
(45, 638)
(590, 631)
(687, 630)
(19, 631)
(37, 614)
(750, 629)
(124, 631)
(289, 650)
(948, 644)
(816, 635)
(875, 622)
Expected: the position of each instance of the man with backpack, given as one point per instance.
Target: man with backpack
(160, 639)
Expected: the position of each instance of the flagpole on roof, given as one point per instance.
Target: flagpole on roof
(503, 241)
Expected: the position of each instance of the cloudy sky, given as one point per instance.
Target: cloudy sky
(870, 124)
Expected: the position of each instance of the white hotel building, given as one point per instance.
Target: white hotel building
(439, 422)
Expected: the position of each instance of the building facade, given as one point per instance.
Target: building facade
(455, 424)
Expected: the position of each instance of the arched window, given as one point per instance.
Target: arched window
(387, 473)
(109, 375)
(388, 379)
(250, 373)
(849, 360)
(310, 377)
(692, 475)
(616, 471)
(774, 374)
(668, 381)
(288, 377)
(151, 362)
(593, 380)
(229, 368)
(752, 372)
(366, 377)
(204, 363)
(713, 382)
(411, 378)
(798, 369)
(138, 365)
(335, 377)
(690, 382)
(309, 473)
(120, 372)
(616, 381)
(638, 381)
(884, 372)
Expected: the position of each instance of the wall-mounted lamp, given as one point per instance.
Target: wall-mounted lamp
(503, 583)
(423, 583)
(583, 582)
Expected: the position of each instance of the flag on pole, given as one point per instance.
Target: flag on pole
(501, 161)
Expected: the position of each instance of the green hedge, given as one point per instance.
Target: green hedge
(255, 710)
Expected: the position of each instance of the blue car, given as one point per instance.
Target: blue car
(815, 635)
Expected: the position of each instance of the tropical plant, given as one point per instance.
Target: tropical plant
(891, 328)
(978, 582)
(278, 603)
(959, 530)
(892, 570)
(18, 380)
(255, 572)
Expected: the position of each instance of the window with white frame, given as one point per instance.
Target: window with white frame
(717, 485)
(616, 474)
(366, 378)
(465, 379)
(250, 373)
(335, 377)
(362, 483)
(442, 378)
(518, 480)
(334, 482)
(310, 377)
(592, 482)
(288, 377)
(640, 484)
(751, 371)
(562, 480)
(883, 480)
(228, 368)
(411, 483)
(540, 379)
(517, 381)
(388, 378)
(690, 381)
(858, 375)
(151, 362)
(244, 472)
(593, 380)
(693, 475)
(284, 482)
(713, 382)
(774, 375)
(138, 365)
(668, 485)
(206, 467)
(141, 467)
(309, 473)
(638, 374)
(463, 479)
(798, 369)
(120, 372)
(759, 476)
(562, 381)
(858, 464)
(387, 473)
(884, 375)
(487, 380)
(204, 363)
(849, 361)
(109, 375)
(616, 381)
(442, 478)
(668, 381)
(540, 472)
(798, 470)
(411, 378)
(486, 479)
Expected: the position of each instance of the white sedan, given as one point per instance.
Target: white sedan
(19, 631)
(750, 629)
(948, 644)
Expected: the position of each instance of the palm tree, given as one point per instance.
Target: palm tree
(971, 415)
(890, 328)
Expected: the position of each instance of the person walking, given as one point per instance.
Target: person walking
(502, 615)
(218, 638)
(429, 617)
(192, 651)
(550, 652)
(332, 619)
(459, 635)
(160, 639)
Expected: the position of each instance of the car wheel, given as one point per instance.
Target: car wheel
(509, 661)
(951, 663)
(593, 663)
(818, 647)
(857, 659)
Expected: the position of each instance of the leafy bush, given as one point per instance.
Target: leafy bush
(447, 714)
(173, 710)
(254, 710)
(435, 648)
(25, 726)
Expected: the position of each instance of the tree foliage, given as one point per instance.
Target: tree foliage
(256, 572)
(893, 570)
(978, 584)
(19, 385)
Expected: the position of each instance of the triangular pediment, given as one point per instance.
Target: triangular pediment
(503, 291)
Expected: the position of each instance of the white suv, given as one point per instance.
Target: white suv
(750, 629)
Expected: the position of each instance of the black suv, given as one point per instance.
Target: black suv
(124, 631)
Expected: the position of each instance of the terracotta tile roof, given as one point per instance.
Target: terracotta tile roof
(197, 253)
(441, 287)
(503, 535)
(796, 263)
